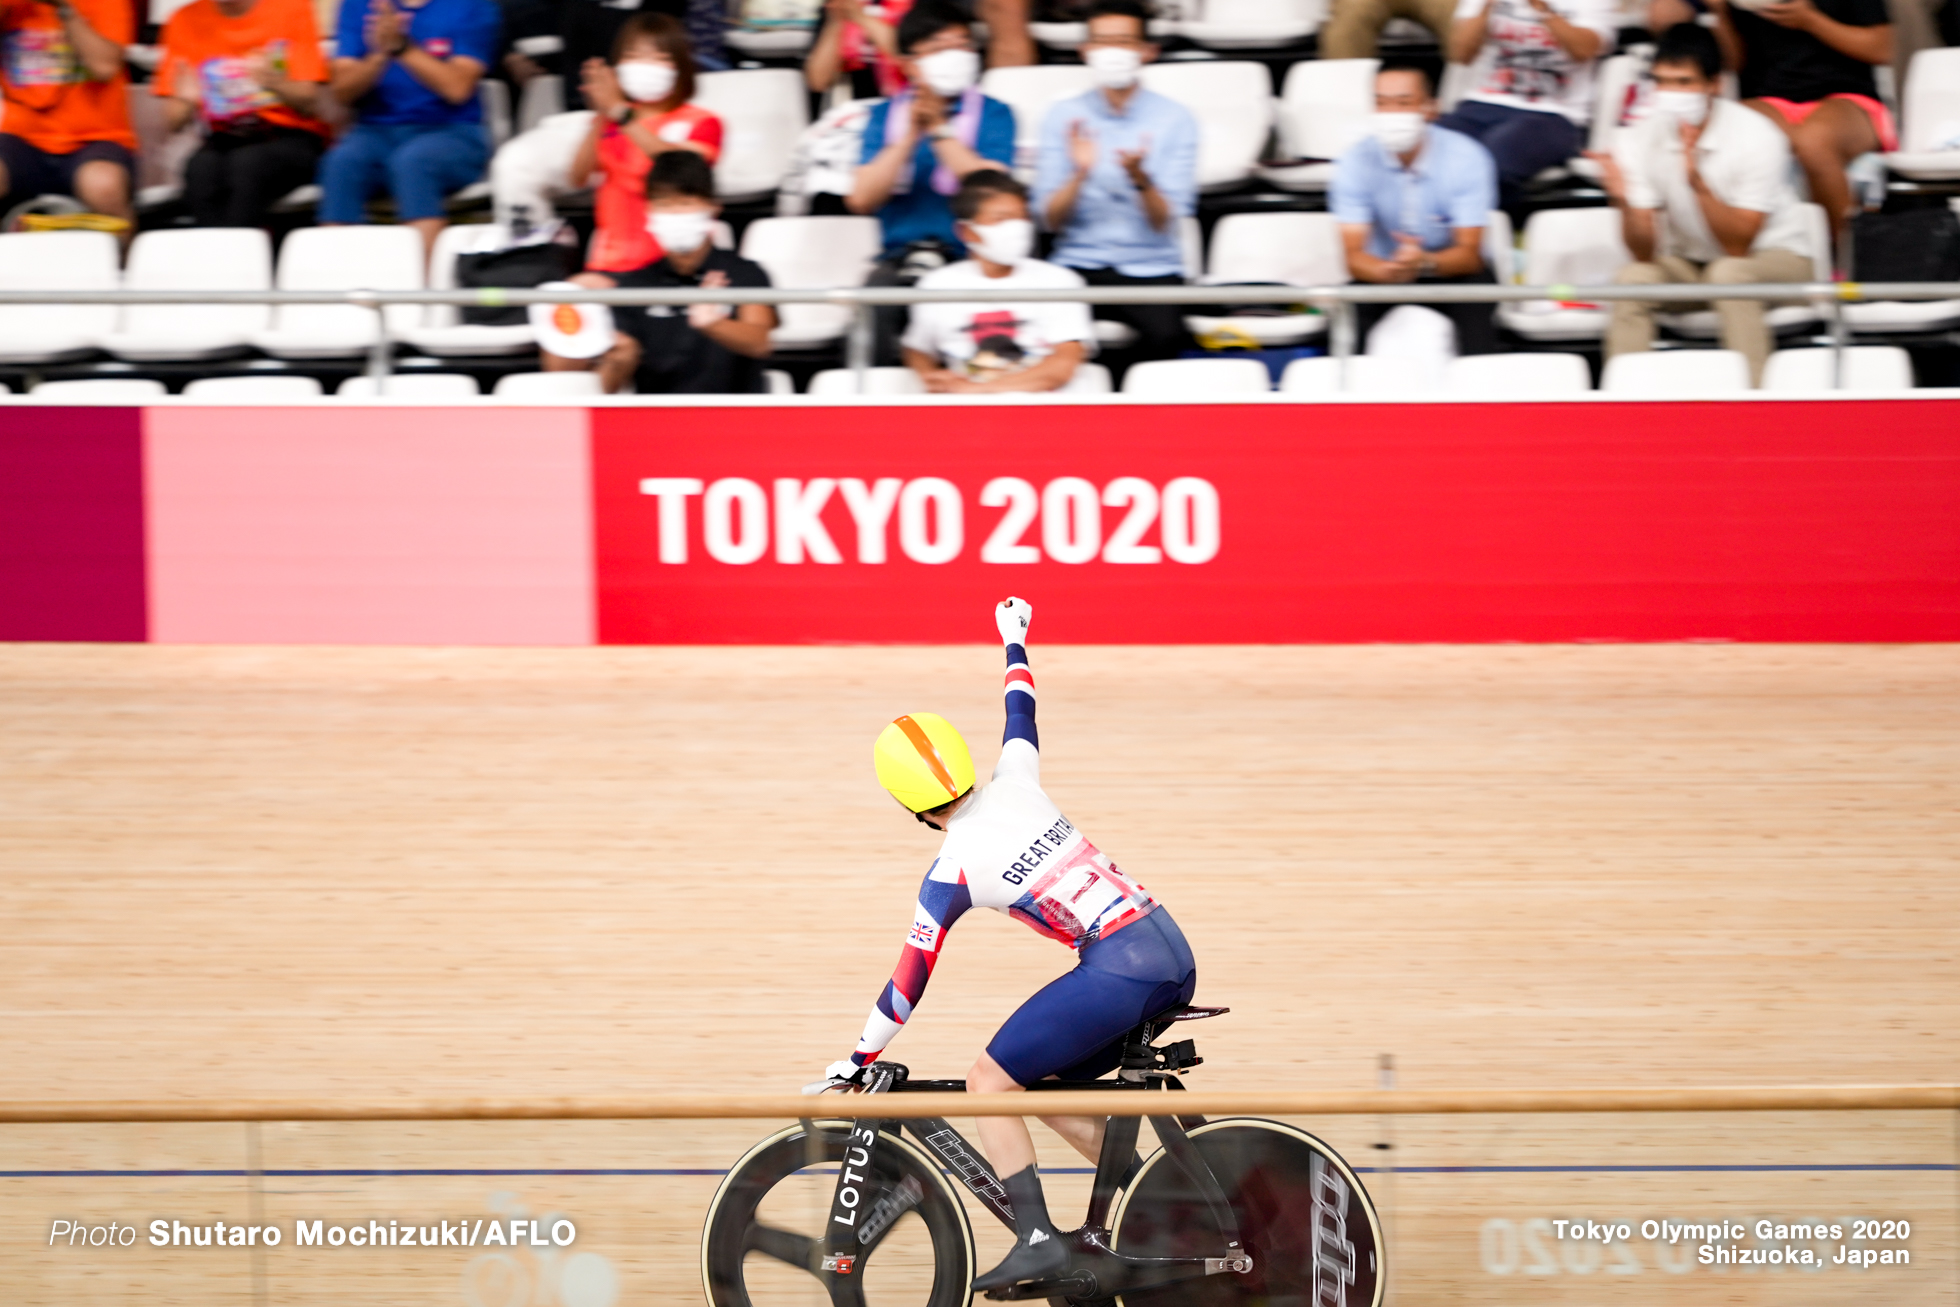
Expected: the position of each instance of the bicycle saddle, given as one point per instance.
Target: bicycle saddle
(1190, 1013)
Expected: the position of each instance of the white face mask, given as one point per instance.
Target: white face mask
(1689, 107)
(950, 72)
(1113, 66)
(645, 81)
(1399, 132)
(1009, 242)
(681, 231)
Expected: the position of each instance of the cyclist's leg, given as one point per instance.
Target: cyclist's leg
(1074, 1025)
(1153, 949)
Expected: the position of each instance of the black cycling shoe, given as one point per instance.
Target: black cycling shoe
(1041, 1256)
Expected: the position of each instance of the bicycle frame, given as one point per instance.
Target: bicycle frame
(1098, 1270)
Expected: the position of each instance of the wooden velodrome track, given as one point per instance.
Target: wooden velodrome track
(314, 873)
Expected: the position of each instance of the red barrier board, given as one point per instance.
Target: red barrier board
(71, 524)
(1271, 523)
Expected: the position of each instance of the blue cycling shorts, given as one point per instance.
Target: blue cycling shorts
(1073, 1028)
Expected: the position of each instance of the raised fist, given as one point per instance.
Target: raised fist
(1012, 617)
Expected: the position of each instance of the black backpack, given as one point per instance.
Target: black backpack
(1914, 245)
(515, 267)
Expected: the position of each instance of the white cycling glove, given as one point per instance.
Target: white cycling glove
(834, 1075)
(1012, 617)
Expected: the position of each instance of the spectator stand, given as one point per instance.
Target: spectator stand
(312, 327)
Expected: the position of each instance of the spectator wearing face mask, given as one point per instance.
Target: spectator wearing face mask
(984, 349)
(703, 349)
(1531, 82)
(1118, 169)
(1702, 186)
(917, 147)
(410, 74)
(1412, 200)
(641, 109)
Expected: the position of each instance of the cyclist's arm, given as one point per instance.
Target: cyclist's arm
(941, 903)
(1023, 758)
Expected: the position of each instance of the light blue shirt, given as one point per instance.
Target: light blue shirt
(1107, 228)
(1453, 183)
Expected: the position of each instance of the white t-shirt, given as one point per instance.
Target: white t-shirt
(983, 341)
(1522, 67)
(1744, 158)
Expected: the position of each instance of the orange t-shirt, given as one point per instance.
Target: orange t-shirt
(219, 52)
(620, 239)
(51, 103)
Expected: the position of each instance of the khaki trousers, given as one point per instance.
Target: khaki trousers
(1354, 25)
(1744, 328)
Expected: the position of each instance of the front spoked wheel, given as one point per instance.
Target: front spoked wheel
(764, 1239)
(1312, 1232)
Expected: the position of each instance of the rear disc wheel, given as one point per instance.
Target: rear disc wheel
(1303, 1216)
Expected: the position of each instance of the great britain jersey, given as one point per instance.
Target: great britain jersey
(1009, 849)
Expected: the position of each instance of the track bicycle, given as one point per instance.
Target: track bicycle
(1227, 1212)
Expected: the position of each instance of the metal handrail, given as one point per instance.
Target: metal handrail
(1206, 1102)
(1337, 302)
(1845, 292)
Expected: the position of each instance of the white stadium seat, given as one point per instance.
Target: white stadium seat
(542, 97)
(1295, 249)
(342, 258)
(778, 382)
(548, 385)
(411, 385)
(1377, 376)
(1868, 369)
(1929, 135)
(1703, 324)
(1567, 247)
(832, 382)
(56, 260)
(1517, 376)
(1931, 120)
(1616, 76)
(100, 390)
(1248, 24)
(1197, 378)
(1089, 379)
(1030, 92)
(810, 253)
(494, 96)
(1233, 103)
(1676, 374)
(254, 390)
(445, 334)
(763, 111)
(193, 258)
(1324, 107)
(778, 42)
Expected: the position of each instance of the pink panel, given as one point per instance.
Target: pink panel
(369, 525)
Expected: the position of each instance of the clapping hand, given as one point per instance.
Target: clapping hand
(600, 86)
(1081, 146)
(928, 111)
(702, 316)
(1131, 161)
(386, 29)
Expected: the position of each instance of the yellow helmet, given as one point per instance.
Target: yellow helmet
(923, 761)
